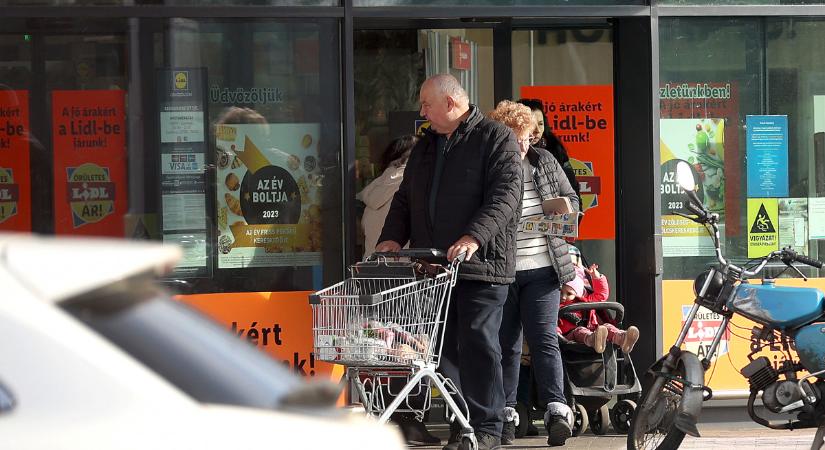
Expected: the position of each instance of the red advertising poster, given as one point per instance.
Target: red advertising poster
(15, 176)
(692, 100)
(582, 118)
(89, 135)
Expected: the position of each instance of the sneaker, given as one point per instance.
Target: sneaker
(532, 429)
(487, 441)
(508, 431)
(597, 339)
(558, 421)
(629, 338)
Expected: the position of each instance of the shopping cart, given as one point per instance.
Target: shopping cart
(386, 325)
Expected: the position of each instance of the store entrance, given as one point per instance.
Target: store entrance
(566, 66)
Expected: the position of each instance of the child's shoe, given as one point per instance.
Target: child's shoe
(597, 339)
(626, 339)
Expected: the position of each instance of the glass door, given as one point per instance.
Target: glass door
(390, 65)
(567, 73)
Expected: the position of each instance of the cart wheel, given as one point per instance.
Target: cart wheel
(580, 422)
(600, 420)
(621, 415)
(524, 420)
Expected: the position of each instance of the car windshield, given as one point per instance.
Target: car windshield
(189, 350)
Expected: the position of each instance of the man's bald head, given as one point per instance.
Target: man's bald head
(443, 102)
(447, 85)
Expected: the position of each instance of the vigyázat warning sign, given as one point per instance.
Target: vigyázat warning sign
(582, 118)
(89, 139)
(763, 226)
(15, 185)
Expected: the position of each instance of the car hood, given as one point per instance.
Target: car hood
(55, 269)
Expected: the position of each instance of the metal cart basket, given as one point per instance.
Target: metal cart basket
(386, 325)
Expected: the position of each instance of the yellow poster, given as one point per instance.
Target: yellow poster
(732, 355)
(763, 226)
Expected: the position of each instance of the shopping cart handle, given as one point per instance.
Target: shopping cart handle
(415, 253)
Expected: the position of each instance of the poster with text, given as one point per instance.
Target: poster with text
(268, 195)
(182, 128)
(767, 150)
(15, 174)
(700, 143)
(582, 118)
(793, 224)
(89, 138)
(703, 100)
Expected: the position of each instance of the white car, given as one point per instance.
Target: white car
(93, 355)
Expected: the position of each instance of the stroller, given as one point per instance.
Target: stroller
(591, 381)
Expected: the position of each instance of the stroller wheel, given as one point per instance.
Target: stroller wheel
(600, 420)
(525, 420)
(580, 423)
(621, 415)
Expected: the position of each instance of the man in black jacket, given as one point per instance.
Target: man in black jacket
(462, 192)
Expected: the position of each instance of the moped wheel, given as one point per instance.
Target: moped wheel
(652, 426)
(819, 437)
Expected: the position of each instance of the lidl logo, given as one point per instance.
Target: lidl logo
(181, 80)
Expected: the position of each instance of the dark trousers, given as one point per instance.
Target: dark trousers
(533, 305)
(471, 354)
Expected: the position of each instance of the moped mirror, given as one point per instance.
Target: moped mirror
(684, 176)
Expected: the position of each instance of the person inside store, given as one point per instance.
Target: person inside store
(543, 137)
(542, 265)
(377, 195)
(462, 192)
(376, 198)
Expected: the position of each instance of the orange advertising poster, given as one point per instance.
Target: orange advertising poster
(723, 375)
(582, 118)
(278, 323)
(89, 136)
(15, 174)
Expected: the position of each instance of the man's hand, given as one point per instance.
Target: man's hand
(388, 246)
(466, 244)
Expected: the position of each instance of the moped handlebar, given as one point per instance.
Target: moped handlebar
(705, 217)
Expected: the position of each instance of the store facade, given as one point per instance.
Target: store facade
(244, 132)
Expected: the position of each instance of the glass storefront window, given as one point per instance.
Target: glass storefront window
(168, 2)
(720, 77)
(496, 2)
(222, 136)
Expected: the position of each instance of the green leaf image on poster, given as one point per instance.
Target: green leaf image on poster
(700, 143)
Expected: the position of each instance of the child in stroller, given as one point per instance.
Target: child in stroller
(594, 374)
(593, 332)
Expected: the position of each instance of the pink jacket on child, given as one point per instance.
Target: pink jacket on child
(601, 291)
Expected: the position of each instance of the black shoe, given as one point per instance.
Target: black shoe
(487, 441)
(455, 437)
(416, 433)
(508, 433)
(558, 431)
(532, 430)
